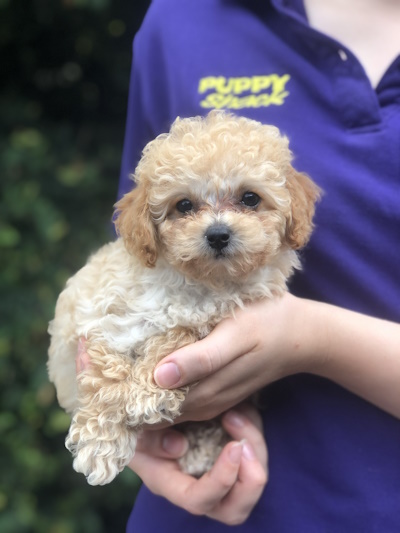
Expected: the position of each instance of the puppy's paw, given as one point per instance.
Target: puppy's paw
(154, 405)
(100, 453)
(206, 440)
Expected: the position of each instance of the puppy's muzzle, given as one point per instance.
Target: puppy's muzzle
(218, 237)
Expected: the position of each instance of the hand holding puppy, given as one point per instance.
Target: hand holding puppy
(264, 342)
(230, 490)
(275, 338)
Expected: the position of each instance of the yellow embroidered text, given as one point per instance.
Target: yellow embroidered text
(237, 93)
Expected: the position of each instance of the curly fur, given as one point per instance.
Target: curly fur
(161, 285)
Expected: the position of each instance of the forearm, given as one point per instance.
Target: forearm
(356, 351)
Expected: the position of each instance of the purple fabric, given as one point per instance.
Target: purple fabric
(334, 459)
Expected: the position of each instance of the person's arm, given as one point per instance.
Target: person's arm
(149, 103)
(276, 338)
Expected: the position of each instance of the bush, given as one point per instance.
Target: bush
(66, 65)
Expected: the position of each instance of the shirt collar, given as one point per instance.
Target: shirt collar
(292, 8)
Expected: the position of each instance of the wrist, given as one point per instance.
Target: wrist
(307, 328)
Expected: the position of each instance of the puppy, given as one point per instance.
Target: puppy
(214, 223)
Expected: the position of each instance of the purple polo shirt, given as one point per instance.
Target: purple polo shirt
(334, 458)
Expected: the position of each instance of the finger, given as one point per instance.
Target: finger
(196, 361)
(249, 411)
(244, 424)
(253, 475)
(197, 496)
(237, 505)
(213, 486)
(167, 444)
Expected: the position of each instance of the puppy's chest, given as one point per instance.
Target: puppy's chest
(182, 307)
(154, 310)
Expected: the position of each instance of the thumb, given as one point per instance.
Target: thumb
(196, 361)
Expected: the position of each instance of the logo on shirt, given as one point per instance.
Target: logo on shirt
(219, 92)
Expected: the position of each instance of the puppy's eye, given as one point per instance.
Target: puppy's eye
(184, 206)
(250, 199)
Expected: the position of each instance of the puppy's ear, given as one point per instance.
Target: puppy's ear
(133, 223)
(304, 195)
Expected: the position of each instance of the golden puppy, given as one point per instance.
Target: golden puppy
(214, 223)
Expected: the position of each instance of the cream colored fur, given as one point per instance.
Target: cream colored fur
(161, 285)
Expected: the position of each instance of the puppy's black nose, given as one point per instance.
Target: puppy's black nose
(218, 236)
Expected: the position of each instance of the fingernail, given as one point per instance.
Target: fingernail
(248, 452)
(174, 444)
(167, 375)
(234, 419)
(235, 453)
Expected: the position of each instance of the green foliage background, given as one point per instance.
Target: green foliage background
(64, 71)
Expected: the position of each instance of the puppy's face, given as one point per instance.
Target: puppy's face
(220, 227)
(217, 198)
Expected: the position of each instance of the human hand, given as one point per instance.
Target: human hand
(264, 342)
(230, 490)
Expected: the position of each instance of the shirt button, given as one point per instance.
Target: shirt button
(342, 54)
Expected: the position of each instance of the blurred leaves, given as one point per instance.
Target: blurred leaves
(65, 72)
